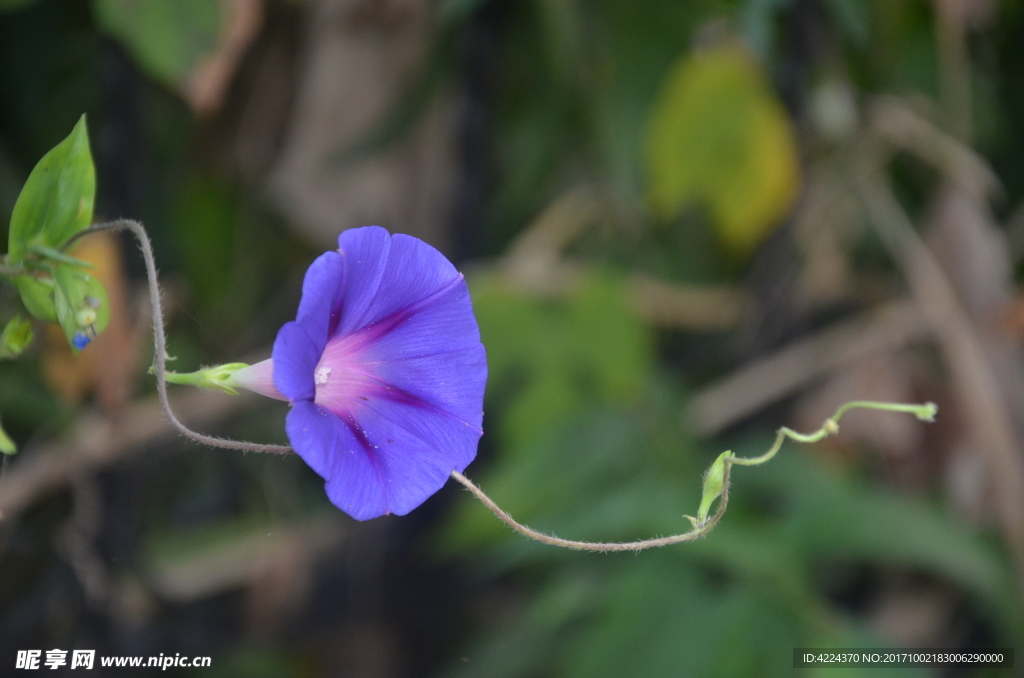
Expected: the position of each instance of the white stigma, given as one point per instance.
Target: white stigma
(321, 375)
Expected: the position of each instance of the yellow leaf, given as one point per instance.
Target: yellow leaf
(719, 136)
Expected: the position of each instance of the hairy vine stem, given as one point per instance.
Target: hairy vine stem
(924, 412)
(606, 546)
(716, 483)
(160, 340)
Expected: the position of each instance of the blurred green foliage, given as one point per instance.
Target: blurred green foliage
(549, 362)
(560, 356)
(205, 214)
(7, 445)
(571, 96)
(611, 93)
(15, 338)
(733, 604)
(12, 5)
(166, 37)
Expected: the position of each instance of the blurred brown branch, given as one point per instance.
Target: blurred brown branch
(95, 441)
(765, 381)
(972, 369)
(535, 262)
(901, 127)
(244, 558)
(699, 308)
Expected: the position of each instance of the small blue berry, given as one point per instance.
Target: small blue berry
(80, 340)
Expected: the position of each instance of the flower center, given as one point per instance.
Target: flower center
(341, 378)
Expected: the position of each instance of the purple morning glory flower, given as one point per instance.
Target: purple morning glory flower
(384, 370)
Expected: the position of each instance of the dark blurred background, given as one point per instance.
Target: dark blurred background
(684, 224)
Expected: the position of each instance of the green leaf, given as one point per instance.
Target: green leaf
(657, 618)
(56, 201)
(6, 444)
(719, 136)
(15, 337)
(83, 309)
(37, 295)
(166, 37)
(852, 18)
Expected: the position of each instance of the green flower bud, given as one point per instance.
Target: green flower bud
(714, 483)
(15, 337)
(85, 317)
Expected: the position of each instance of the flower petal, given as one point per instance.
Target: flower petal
(331, 448)
(387, 456)
(295, 356)
(415, 446)
(451, 382)
(387, 274)
(323, 292)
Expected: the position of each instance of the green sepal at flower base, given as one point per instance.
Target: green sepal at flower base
(17, 335)
(37, 296)
(57, 200)
(83, 309)
(219, 377)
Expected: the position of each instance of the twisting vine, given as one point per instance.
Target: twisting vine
(716, 480)
(716, 484)
(160, 339)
